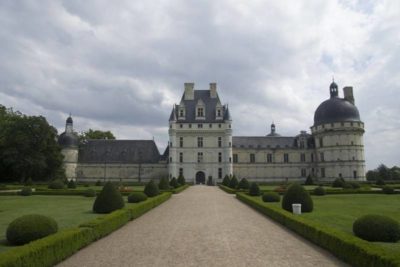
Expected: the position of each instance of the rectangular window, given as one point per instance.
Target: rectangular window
(210, 125)
(170, 159)
(218, 113)
(230, 159)
(301, 144)
(312, 157)
(269, 158)
(323, 172)
(219, 125)
(170, 144)
(354, 174)
(181, 157)
(303, 173)
(303, 157)
(219, 157)
(180, 125)
(200, 157)
(199, 141)
(199, 125)
(219, 141)
(322, 156)
(190, 125)
(286, 157)
(200, 112)
(235, 158)
(321, 142)
(180, 141)
(181, 113)
(219, 173)
(180, 171)
(230, 144)
(252, 158)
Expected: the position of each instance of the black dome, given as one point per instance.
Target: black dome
(68, 140)
(69, 119)
(335, 110)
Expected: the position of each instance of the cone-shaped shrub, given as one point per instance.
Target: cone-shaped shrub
(309, 180)
(163, 184)
(108, 200)
(226, 181)
(296, 194)
(173, 183)
(244, 184)
(271, 197)
(233, 183)
(254, 189)
(151, 189)
(181, 180)
(30, 227)
(377, 228)
(71, 184)
(319, 191)
(137, 197)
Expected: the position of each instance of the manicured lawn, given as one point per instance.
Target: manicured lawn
(66, 210)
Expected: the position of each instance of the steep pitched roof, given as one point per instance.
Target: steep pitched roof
(263, 142)
(119, 151)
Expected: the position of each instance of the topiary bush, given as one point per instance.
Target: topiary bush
(108, 200)
(377, 228)
(244, 184)
(181, 180)
(226, 180)
(151, 189)
(339, 182)
(233, 183)
(56, 184)
(254, 189)
(309, 180)
(297, 194)
(71, 184)
(388, 190)
(26, 191)
(173, 183)
(319, 191)
(163, 184)
(90, 193)
(30, 227)
(271, 197)
(98, 183)
(137, 197)
(354, 185)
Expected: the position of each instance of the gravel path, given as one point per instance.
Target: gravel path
(202, 226)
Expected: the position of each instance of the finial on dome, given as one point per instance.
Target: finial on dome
(333, 88)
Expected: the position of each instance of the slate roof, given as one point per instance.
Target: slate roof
(210, 108)
(258, 142)
(336, 109)
(119, 151)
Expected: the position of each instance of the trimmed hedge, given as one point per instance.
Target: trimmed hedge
(347, 247)
(179, 189)
(319, 191)
(109, 200)
(271, 197)
(388, 190)
(90, 193)
(151, 189)
(174, 183)
(137, 197)
(254, 189)
(26, 191)
(243, 184)
(227, 189)
(56, 184)
(377, 228)
(297, 194)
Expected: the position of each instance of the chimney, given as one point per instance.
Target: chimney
(189, 91)
(348, 94)
(213, 90)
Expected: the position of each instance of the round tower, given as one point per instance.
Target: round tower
(69, 143)
(338, 134)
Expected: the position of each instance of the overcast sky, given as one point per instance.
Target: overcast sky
(121, 65)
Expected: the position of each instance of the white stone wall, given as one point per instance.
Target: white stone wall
(70, 162)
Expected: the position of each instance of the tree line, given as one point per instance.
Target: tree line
(384, 173)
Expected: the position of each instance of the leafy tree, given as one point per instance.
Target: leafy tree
(96, 134)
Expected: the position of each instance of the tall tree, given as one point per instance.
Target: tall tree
(96, 134)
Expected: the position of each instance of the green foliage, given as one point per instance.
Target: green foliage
(71, 184)
(384, 173)
(309, 180)
(271, 197)
(181, 180)
(151, 189)
(137, 197)
(26, 191)
(30, 227)
(89, 193)
(96, 134)
(296, 194)
(108, 200)
(180, 189)
(226, 181)
(98, 183)
(319, 191)
(210, 181)
(163, 184)
(380, 181)
(354, 185)
(243, 184)
(173, 183)
(233, 183)
(377, 228)
(254, 189)
(339, 182)
(227, 189)
(388, 190)
(28, 147)
(56, 184)
(28, 182)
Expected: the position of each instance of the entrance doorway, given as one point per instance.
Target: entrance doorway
(200, 178)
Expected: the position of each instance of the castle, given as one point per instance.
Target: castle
(201, 145)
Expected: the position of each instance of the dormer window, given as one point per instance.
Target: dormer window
(218, 113)
(200, 112)
(181, 113)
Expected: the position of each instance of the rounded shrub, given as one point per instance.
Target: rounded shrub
(181, 180)
(244, 184)
(173, 183)
(309, 180)
(254, 189)
(137, 197)
(30, 227)
(151, 189)
(26, 191)
(377, 228)
(163, 184)
(339, 182)
(233, 183)
(297, 194)
(226, 180)
(271, 197)
(56, 184)
(90, 193)
(108, 200)
(319, 191)
(71, 184)
(388, 190)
